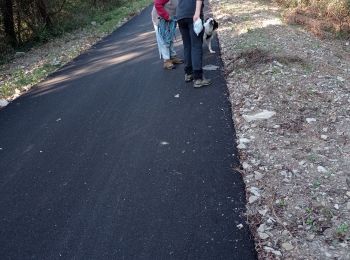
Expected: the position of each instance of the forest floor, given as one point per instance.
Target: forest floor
(290, 95)
(29, 68)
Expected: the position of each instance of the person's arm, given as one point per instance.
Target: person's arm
(197, 14)
(159, 5)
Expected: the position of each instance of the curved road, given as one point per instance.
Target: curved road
(112, 157)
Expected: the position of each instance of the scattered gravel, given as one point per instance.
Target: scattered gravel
(295, 152)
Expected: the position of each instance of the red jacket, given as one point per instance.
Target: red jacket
(159, 5)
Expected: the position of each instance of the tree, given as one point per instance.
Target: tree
(9, 27)
(42, 8)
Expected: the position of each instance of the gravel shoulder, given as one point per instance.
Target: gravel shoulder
(290, 95)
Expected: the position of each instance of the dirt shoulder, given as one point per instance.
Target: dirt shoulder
(290, 95)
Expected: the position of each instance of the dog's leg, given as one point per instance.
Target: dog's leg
(209, 45)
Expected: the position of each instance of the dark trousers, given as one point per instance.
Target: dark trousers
(193, 51)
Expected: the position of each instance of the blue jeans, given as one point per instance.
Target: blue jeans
(166, 51)
(193, 51)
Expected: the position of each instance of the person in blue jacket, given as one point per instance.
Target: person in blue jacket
(188, 12)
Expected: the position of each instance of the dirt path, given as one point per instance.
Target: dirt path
(296, 162)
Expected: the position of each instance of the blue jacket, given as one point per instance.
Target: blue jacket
(186, 9)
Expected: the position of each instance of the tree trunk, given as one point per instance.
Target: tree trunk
(7, 13)
(44, 13)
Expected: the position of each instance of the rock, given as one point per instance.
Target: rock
(240, 226)
(348, 206)
(246, 166)
(262, 228)
(210, 67)
(268, 249)
(241, 146)
(19, 54)
(285, 233)
(324, 137)
(287, 246)
(177, 96)
(348, 194)
(255, 191)
(252, 199)
(310, 120)
(321, 169)
(276, 252)
(93, 23)
(258, 176)
(55, 62)
(278, 64)
(336, 206)
(263, 212)
(263, 236)
(3, 102)
(310, 237)
(244, 140)
(265, 114)
(341, 79)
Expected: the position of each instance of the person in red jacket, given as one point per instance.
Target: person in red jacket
(165, 9)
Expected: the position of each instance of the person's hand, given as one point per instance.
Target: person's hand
(196, 17)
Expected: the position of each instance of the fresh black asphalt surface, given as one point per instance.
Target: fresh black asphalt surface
(114, 158)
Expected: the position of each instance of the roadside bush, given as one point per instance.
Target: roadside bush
(320, 15)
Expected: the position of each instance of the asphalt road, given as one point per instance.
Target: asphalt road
(114, 158)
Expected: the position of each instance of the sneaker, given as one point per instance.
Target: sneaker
(176, 60)
(198, 83)
(168, 65)
(188, 77)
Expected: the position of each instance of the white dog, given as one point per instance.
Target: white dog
(210, 27)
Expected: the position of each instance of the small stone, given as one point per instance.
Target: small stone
(336, 206)
(268, 249)
(240, 226)
(93, 23)
(348, 194)
(19, 54)
(262, 228)
(177, 96)
(262, 212)
(278, 64)
(244, 140)
(321, 169)
(285, 233)
(265, 114)
(301, 163)
(3, 102)
(287, 246)
(258, 176)
(255, 191)
(310, 237)
(252, 199)
(241, 146)
(310, 120)
(276, 252)
(341, 79)
(348, 206)
(324, 137)
(246, 166)
(210, 67)
(263, 236)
